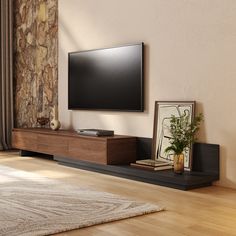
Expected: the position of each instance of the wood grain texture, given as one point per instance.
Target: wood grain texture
(35, 60)
(120, 152)
(116, 149)
(93, 150)
(208, 211)
(51, 144)
(26, 141)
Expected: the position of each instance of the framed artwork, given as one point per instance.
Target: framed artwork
(161, 134)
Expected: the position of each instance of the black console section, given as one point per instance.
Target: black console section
(205, 168)
(206, 158)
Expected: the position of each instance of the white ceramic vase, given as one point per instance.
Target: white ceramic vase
(55, 123)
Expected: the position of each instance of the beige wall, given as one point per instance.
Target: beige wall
(190, 55)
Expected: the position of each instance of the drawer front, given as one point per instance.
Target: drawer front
(121, 151)
(24, 141)
(69, 145)
(88, 150)
(52, 144)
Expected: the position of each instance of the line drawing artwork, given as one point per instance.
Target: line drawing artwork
(163, 136)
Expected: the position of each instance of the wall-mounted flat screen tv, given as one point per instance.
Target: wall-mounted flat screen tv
(107, 79)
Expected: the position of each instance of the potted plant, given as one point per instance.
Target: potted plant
(182, 131)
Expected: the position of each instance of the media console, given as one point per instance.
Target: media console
(112, 155)
(110, 150)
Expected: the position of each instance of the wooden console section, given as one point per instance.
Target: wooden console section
(112, 150)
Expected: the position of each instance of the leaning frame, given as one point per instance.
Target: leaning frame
(161, 137)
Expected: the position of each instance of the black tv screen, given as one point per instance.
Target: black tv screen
(107, 79)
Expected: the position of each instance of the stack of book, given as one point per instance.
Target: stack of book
(150, 164)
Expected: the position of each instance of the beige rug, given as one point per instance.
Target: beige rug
(33, 205)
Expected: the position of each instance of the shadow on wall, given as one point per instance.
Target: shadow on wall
(224, 170)
(146, 78)
(104, 119)
(93, 119)
(73, 41)
(202, 135)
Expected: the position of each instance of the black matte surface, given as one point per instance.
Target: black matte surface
(107, 79)
(25, 153)
(206, 158)
(144, 148)
(186, 181)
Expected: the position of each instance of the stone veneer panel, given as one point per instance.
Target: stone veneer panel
(35, 60)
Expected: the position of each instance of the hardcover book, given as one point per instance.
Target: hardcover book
(154, 168)
(151, 162)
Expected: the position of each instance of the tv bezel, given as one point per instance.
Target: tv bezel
(111, 109)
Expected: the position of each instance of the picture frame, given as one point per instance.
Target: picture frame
(161, 136)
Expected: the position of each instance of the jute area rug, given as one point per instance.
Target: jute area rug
(34, 205)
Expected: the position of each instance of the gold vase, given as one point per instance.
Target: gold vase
(179, 163)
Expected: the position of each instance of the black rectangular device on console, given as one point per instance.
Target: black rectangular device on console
(95, 132)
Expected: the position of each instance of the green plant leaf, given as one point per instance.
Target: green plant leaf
(183, 132)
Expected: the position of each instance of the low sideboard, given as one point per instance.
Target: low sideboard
(111, 150)
(112, 156)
